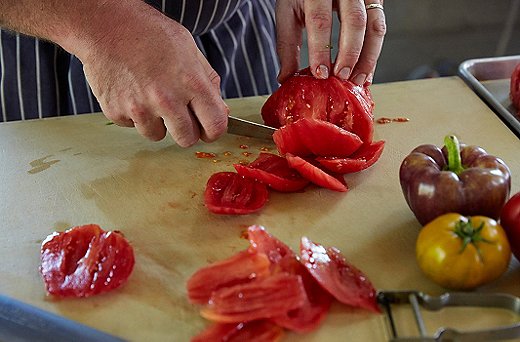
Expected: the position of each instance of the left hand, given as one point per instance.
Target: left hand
(360, 41)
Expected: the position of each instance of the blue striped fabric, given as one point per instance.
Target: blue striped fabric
(39, 79)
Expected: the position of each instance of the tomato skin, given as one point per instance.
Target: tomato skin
(230, 193)
(362, 159)
(510, 221)
(258, 331)
(84, 261)
(442, 258)
(315, 174)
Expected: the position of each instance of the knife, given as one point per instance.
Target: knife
(249, 129)
(23, 322)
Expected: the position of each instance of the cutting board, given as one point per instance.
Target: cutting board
(60, 172)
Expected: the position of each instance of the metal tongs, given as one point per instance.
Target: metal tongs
(433, 303)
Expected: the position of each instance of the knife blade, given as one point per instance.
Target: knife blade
(23, 322)
(249, 129)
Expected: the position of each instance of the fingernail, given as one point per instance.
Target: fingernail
(360, 79)
(369, 80)
(322, 71)
(344, 74)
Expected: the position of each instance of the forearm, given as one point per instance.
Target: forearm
(74, 25)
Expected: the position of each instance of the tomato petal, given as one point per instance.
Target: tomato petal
(262, 298)
(230, 193)
(366, 156)
(315, 174)
(280, 255)
(274, 171)
(85, 261)
(240, 268)
(288, 140)
(258, 331)
(342, 280)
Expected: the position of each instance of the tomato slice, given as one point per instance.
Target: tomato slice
(84, 261)
(240, 268)
(230, 193)
(342, 280)
(263, 298)
(258, 331)
(317, 301)
(318, 137)
(274, 171)
(366, 156)
(315, 174)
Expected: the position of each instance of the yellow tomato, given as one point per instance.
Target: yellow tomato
(459, 252)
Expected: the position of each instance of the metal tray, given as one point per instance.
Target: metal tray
(490, 79)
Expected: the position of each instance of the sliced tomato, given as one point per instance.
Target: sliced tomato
(317, 301)
(363, 158)
(288, 140)
(240, 268)
(258, 331)
(315, 174)
(316, 137)
(274, 171)
(342, 280)
(339, 102)
(84, 261)
(262, 298)
(230, 193)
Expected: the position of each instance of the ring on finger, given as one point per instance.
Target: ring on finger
(372, 6)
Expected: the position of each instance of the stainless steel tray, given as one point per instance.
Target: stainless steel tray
(490, 79)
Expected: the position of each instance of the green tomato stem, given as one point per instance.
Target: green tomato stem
(454, 160)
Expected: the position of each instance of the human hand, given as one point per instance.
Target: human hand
(149, 73)
(360, 41)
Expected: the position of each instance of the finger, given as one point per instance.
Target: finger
(353, 19)
(289, 27)
(153, 128)
(147, 124)
(374, 36)
(318, 21)
(182, 126)
(213, 76)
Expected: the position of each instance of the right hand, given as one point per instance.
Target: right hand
(151, 75)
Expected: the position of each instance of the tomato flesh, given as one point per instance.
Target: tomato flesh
(240, 268)
(315, 174)
(341, 279)
(362, 159)
(318, 137)
(84, 261)
(274, 171)
(258, 331)
(230, 193)
(263, 298)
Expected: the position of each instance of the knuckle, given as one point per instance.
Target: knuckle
(214, 78)
(378, 28)
(193, 82)
(216, 127)
(321, 20)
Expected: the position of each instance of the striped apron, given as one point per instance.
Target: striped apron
(39, 79)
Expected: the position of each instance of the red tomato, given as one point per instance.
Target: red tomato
(342, 280)
(311, 134)
(240, 268)
(84, 261)
(339, 102)
(263, 298)
(230, 193)
(315, 174)
(317, 302)
(258, 331)
(514, 89)
(362, 159)
(273, 171)
(510, 221)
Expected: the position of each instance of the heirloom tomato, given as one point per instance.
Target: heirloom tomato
(258, 331)
(462, 253)
(84, 261)
(316, 175)
(510, 221)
